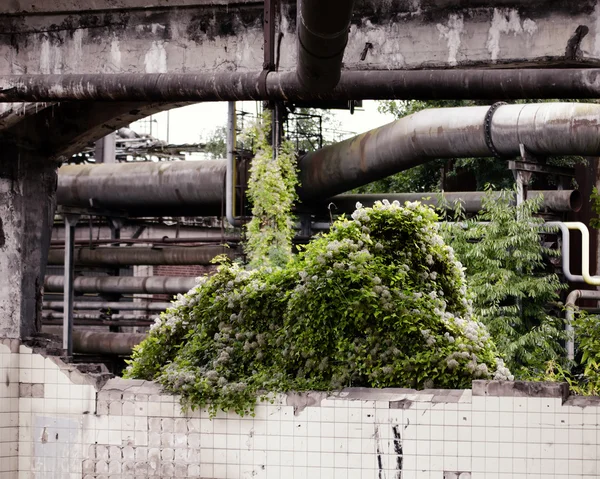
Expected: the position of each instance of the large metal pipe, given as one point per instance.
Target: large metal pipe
(144, 306)
(118, 256)
(124, 284)
(561, 201)
(323, 27)
(475, 84)
(93, 342)
(142, 189)
(543, 129)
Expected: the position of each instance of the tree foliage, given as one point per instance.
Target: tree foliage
(514, 294)
(378, 301)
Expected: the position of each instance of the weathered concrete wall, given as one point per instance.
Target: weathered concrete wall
(129, 429)
(27, 191)
(74, 38)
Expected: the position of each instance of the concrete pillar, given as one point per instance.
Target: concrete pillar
(27, 203)
(106, 151)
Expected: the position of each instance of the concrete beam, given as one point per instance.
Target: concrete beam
(106, 36)
(27, 189)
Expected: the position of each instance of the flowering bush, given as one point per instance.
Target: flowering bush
(379, 301)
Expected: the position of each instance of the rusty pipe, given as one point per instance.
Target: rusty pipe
(52, 315)
(117, 256)
(323, 27)
(142, 189)
(93, 342)
(541, 128)
(560, 201)
(123, 284)
(145, 306)
(458, 84)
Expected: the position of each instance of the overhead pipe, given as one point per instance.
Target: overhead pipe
(144, 306)
(455, 84)
(123, 284)
(560, 201)
(542, 129)
(323, 27)
(143, 188)
(118, 256)
(572, 299)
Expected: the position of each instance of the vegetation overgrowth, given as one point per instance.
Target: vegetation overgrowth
(378, 301)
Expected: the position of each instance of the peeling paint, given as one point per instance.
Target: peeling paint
(507, 21)
(596, 47)
(50, 57)
(155, 60)
(115, 54)
(451, 32)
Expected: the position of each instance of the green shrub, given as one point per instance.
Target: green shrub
(515, 292)
(379, 301)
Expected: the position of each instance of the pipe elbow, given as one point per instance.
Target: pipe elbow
(322, 37)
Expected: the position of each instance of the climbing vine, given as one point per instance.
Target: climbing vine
(272, 191)
(379, 301)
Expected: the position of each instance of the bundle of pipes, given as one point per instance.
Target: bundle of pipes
(543, 129)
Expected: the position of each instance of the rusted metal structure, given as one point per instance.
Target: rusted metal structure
(540, 129)
(474, 84)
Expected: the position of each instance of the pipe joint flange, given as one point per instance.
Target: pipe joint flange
(487, 128)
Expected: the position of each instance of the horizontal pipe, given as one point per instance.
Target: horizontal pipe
(542, 128)
(142, 189)
(472, 201)
(101, 322)
(124, 284)
(457, 84)
(118, 256)
(209, 238)
(93, 342)
(145, 306)
(51, 315)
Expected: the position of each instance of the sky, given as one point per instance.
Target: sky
(195, 123)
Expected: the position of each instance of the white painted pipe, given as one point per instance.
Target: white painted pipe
(565, 252)
(585, 252)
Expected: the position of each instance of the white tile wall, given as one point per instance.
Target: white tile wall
(53, 424)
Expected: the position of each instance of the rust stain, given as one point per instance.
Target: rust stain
(363, 157)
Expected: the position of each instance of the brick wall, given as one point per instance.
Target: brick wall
(128, 429)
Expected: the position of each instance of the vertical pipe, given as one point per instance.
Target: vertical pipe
(570, 315)
(230, 172)
(70, 222)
